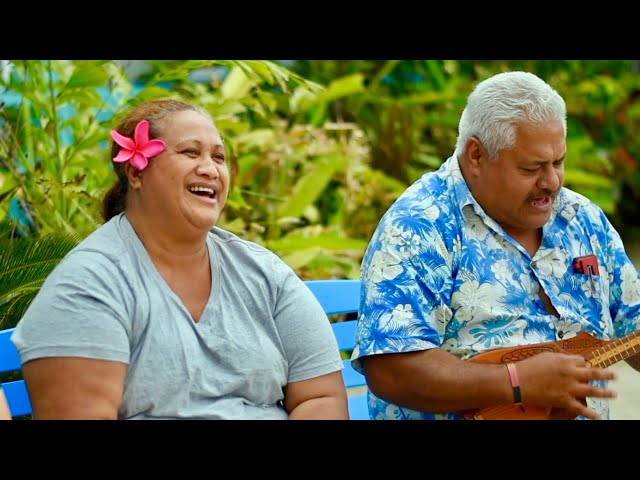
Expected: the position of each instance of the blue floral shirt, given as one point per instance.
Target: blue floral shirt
(439, 272)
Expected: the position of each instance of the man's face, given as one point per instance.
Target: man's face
(518, 187)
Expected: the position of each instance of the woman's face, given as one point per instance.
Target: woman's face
(187, 184)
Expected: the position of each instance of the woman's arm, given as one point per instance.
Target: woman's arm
(75, 388)
(319, 398)
(5, 413)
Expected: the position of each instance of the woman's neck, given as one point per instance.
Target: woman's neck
(168, 245)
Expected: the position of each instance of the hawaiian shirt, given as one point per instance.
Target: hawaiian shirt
(439, 272)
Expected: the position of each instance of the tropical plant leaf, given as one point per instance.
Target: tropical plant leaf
(342, 87)
(310, 186)
(24, 265)
(293, 242)
(88, 76)
(237, 84)
(9, 228)
(12, 311)
(300, 258)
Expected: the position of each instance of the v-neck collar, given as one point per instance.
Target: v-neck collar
(147, 262)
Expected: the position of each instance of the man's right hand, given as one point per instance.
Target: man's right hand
(561, 381)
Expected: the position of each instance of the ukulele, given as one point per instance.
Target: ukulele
(597, 353)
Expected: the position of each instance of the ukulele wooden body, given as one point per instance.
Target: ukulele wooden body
(598, 353)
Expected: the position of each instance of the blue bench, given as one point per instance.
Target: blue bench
(335, 296)
(338, 297)
(15, 391)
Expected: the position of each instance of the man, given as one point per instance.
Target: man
(479, 256)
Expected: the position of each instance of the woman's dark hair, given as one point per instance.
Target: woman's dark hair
(154, 111)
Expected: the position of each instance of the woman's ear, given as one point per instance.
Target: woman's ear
(134, 175)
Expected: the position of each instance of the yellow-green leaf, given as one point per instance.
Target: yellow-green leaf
(310, 186)
(236, 85)
(89, 76)
(343, 87)
(300, 258)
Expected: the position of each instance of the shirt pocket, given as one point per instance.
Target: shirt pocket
(590, 297)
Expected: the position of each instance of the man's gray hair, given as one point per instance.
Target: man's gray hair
(501, 102)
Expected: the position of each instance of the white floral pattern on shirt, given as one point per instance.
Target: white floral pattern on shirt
(439, 272)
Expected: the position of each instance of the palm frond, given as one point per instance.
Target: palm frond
(24, 265)
(9, 228)
(13, 310)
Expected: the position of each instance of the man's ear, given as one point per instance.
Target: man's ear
(475, 153)
(134, 175)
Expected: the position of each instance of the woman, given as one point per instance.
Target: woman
(160, 314)
(5, 413)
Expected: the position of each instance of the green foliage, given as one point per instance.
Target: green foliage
(52, 136)
(295, 184)
(410, 109)
(318, 149)
(25, 262)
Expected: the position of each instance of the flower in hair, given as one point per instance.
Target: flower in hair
(139, 150)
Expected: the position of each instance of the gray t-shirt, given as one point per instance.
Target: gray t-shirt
(261, 328)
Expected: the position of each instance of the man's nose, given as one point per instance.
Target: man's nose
(550, 179)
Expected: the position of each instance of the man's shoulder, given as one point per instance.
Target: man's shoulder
(431, 185)
(582, 204)
(571, 196)
(432, 197)
(579, 211)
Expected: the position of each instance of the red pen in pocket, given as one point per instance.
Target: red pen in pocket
(587, 265)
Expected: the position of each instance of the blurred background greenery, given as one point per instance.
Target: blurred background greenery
(319, 149)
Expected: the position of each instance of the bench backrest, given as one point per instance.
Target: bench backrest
(337, 297)
(15, 391)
